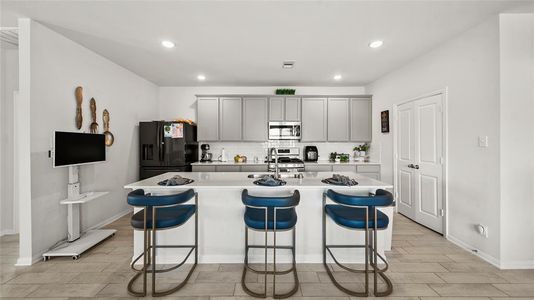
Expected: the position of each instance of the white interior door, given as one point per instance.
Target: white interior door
(420, 161)
(406, 157)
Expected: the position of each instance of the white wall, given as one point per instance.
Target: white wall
(9, 84)
(517, 140)
(468, 66)
(57, 66)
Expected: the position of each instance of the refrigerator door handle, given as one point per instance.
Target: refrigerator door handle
(158, 140)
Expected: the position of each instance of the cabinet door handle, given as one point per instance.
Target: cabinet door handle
(411, 166)
(416, 167)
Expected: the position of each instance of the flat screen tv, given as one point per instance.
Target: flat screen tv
(73, 148)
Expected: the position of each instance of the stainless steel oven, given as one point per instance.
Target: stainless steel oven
(284, 130)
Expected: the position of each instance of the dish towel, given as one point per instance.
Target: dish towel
(338, 179)
(176, 180)
(269, 181)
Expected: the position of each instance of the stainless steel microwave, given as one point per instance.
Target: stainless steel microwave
(284, 130)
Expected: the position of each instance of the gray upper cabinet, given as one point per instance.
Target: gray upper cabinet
(314, 118)
(284, 109)
(360, 121)
(208, 119)
(255, 119)
(292, 109)
(276, 108)
(338, 119)
(230, 119)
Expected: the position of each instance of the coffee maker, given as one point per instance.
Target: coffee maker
(206, 156)
(311, 153)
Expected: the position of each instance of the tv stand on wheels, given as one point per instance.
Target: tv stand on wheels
(78, 242)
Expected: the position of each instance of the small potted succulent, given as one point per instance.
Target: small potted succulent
(361, 150)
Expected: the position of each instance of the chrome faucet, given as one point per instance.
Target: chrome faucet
(276, 169)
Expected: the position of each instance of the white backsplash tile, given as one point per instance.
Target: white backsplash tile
(251, 150)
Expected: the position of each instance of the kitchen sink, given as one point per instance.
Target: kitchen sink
(280, 175)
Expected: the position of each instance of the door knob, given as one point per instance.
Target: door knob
(416, 167)
(411, 166)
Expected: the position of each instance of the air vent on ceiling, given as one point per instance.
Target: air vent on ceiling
(288, 64)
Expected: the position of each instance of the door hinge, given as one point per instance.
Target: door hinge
(441, 212)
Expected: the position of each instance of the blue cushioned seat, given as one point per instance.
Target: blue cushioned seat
(355, 217)
(165, 217)
(138, 198)
(285, 218)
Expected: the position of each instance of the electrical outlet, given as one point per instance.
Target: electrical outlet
(482, 230)
(483, 141)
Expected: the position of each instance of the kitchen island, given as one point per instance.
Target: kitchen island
(222, 230)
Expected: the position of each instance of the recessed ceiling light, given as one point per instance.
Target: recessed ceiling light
(167, 44)
(288, 64)
(376, 44)
(338, 77)
(201, 77)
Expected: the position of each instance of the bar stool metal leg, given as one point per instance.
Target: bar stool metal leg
(149, 258)
(327, 247)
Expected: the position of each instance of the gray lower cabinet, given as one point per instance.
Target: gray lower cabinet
(338, 119)
(360, 121)
(208, 119)
(317, 168)
(230, 119)
(292, 109)
(255, 119)
(343, 168)
(254, 168)
(314, 118)
(228, 168)
(372, 171)
(371, 175)
(203, 168)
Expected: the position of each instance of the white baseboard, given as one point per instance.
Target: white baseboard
(485, 256)
(8, 232)
(111, 219)
(514, 265)
(27, 261)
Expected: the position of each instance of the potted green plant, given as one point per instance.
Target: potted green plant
(361, 150)
(333, 156)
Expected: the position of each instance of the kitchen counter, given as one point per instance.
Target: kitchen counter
(348, 163)
(252, 163)
(222, 231)
(228, 163)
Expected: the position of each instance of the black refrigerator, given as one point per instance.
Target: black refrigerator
(166, 147)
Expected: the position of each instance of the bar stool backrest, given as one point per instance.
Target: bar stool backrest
(255, 201)
(138, 198)
(380, 198)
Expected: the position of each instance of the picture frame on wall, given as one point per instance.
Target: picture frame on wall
(384, 121)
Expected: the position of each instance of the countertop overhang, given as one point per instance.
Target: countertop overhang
(233, 180)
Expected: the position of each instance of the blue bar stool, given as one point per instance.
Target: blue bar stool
(270, 214)
(159, 213)
(359, 213)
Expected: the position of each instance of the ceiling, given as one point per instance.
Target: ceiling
(243, 43)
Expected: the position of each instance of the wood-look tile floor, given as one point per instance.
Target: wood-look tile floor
(423, 265)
